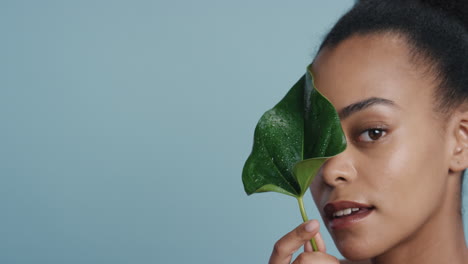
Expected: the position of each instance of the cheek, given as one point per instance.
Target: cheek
(406, 170)
(407, 183)
(403, 178)
(317, 188)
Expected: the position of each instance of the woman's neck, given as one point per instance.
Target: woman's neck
(440, 240)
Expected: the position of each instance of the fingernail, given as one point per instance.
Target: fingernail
(311, 226)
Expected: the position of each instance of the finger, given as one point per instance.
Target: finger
(291, 242)
(318, 241)
(315, 258)
(308, 247)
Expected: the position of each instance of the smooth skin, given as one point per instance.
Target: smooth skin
(405, 158)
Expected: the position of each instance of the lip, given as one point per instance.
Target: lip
(346, 221)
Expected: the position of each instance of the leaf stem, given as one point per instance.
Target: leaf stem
(305, 219)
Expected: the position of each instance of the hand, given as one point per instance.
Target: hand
(291, 242)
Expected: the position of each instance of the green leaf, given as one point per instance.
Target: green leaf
(292, 141)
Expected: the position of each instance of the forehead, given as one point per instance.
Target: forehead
(375, 65)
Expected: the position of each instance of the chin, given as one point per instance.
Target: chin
(356, 250)
(355, 256)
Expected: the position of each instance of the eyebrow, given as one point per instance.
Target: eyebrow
(363, 104)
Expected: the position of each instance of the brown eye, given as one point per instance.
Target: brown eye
(372, 134)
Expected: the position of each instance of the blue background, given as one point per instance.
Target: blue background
(125, 126)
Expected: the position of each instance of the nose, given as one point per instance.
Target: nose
(339, 169)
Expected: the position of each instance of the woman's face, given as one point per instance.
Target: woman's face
(396, 157)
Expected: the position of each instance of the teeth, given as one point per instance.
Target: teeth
(346, 211)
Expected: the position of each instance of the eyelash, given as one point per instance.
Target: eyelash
(383, 132)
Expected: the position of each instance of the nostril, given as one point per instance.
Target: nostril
(340, 179)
